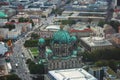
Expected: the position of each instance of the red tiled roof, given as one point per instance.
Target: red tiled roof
(85, 30)
(116, 10)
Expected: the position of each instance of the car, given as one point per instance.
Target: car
(16, 65)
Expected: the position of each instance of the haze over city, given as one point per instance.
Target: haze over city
(59, 39)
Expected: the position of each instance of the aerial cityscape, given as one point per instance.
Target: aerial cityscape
(59, 39)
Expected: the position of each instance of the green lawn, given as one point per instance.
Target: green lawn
(34, 51)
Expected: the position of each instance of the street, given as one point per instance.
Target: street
(18, 61)
(20, 55)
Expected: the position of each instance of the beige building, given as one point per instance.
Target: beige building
(95, 43)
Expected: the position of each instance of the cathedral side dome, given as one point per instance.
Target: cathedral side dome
(73, 39)
(2, 14)
(41, 41)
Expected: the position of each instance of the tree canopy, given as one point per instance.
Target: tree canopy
(107, 57)
(22, 19)
(34, 36)
(31, 43)
(9, 26)
(35, 68)
(10, 77)
(106, 54)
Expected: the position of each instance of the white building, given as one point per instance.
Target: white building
(53, 27)
(70, 74)
(3, 32)
(3, 49)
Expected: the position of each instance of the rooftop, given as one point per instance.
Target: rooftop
(80, 27)
(53, 27)
(96, 41)
(71, 74)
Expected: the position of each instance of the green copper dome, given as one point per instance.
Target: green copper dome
(73, 38)
(41, 40)
(61, 36)
(2, 14)
(48, 51)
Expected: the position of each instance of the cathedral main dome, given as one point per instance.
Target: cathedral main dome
(61, 36)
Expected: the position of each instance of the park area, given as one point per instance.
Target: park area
(34, 51)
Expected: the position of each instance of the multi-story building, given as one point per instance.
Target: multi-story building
(13, 34)
(70, 74)
(116, 2)
(97, 72)
(95, 43)
(80, 30)
(103, 73)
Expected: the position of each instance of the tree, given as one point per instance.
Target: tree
(106, 54)
(36, 68)
(65, 22)
(22, 19)
(28, 61)
(101, 63)
(10, 77)
(9, 26)
(34, 36)
(47, 41)
(57, 11)
(112, 64)
(101, 23)
(31, 43)
(12, 21)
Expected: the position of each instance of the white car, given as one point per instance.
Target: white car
(16, 64)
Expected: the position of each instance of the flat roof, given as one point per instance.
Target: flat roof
(96, 41)
(71, 74)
